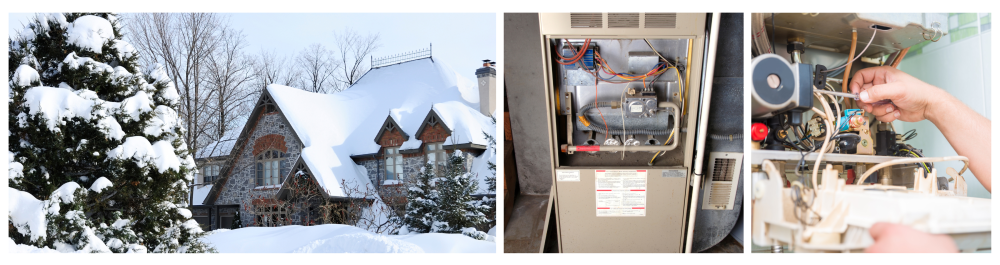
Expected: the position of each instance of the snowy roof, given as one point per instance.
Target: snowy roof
(466, 123)
(222, 147)
(200, 192)
(334, 127)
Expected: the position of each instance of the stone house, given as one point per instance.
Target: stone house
(355, 147)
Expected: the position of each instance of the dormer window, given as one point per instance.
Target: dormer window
(436, 156)
(393, 163)
(390, 135)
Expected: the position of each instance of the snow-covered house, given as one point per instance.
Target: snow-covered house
(369, 137)
(210, 159)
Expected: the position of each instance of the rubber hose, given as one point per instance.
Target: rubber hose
(727, 137)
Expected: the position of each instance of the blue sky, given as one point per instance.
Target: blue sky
(462, 40)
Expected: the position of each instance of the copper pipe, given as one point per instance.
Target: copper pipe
(895, 64)
(847, 71)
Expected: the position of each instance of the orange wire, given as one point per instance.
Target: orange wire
(577, 57)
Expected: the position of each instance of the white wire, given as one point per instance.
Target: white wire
(624, 132)
(856, 57)
(826, 141)
(912, 160)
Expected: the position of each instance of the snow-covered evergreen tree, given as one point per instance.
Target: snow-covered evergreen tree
(97, 162)
(490, 202)
(456, 208)
(421, 199)
(237, 221)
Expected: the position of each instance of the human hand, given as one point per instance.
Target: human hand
(912, 99)
(896, 238)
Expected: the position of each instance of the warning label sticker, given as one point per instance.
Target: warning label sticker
(567, 175)
(620, 192)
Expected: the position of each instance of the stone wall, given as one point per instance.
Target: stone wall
(412, 163)
(240, 188)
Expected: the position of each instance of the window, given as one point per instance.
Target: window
(436, 156)
(271, 167)
(210, 173)
(270, 216)
(393, 163)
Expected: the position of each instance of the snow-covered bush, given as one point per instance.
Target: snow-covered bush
(444, 204)
(97, 158)
(473, 233)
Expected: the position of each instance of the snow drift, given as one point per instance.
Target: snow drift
(339, 239)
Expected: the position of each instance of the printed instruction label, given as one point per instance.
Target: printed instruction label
(673, 173)
(567, 175)
(620, 192)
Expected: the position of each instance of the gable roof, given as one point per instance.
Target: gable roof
(264, 102)
(431, 119)
(390, 124)
(465, 124)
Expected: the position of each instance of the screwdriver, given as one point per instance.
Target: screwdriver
(839, 94)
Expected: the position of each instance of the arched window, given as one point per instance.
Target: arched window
(271, 167)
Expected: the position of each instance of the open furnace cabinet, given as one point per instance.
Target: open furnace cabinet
(622, 88)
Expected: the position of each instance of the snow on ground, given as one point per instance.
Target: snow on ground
(15, 248)
(339, 239)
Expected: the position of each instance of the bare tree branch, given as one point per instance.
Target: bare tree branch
(352, 48)
(317, 67)
(228, 76)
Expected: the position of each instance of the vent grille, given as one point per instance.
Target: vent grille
(661, 20)
(623, 20)
(723, 169)
(719, 194)
(586, 20)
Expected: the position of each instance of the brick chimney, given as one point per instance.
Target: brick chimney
(487, 81)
